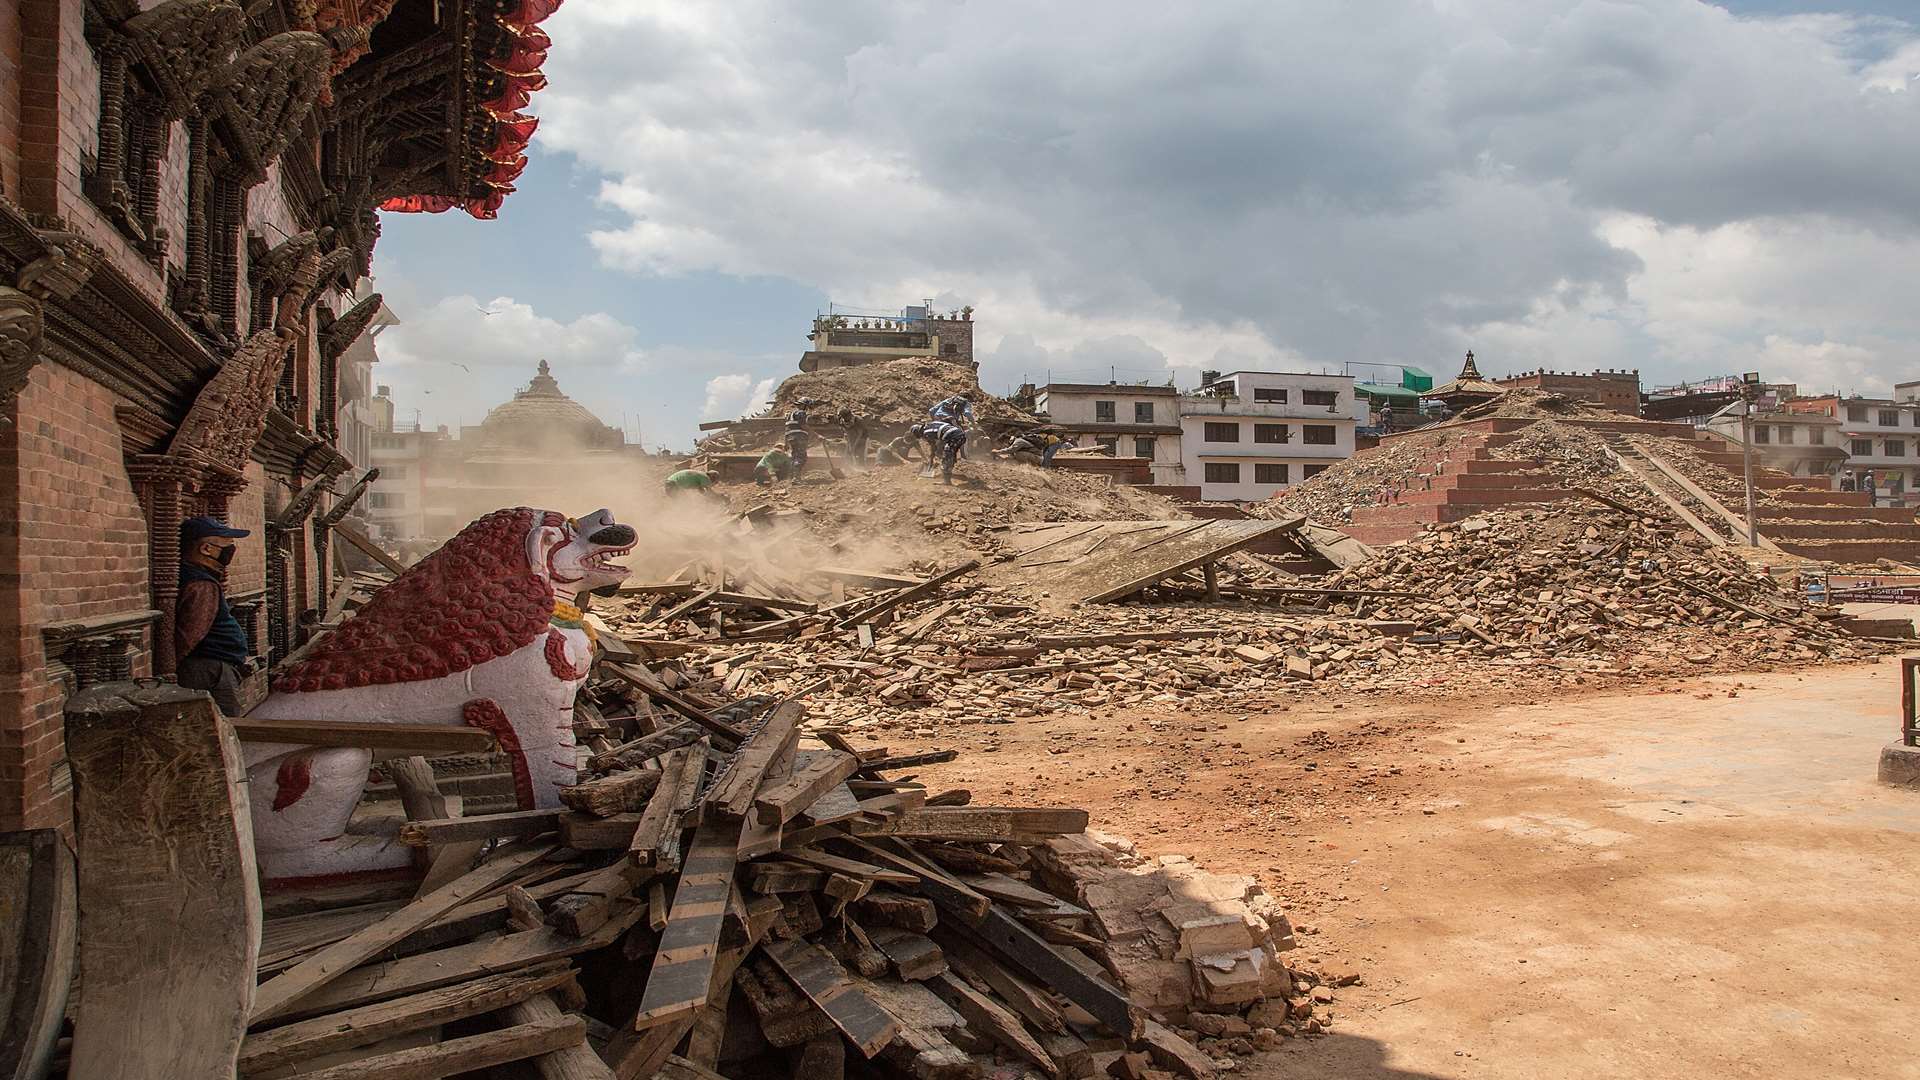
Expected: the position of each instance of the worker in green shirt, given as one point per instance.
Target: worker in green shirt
(775, 464)
(691, 480)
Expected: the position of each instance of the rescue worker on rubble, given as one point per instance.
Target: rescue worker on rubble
(957, 409)
(210, 644)
(930, 434)
(899, 451)
(773, 465)
(1848, 482)
(798, 435)
(692, 480)
(948, 440)
(857, 435)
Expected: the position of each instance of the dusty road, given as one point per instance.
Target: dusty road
(1698, 879)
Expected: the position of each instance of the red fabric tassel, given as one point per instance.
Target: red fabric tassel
(529, 12)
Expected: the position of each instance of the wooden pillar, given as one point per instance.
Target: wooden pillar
(36, 947)
(169, 893)
(163, 482)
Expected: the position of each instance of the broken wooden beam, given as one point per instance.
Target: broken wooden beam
(907, 595)
(682, 968)
(415, 738)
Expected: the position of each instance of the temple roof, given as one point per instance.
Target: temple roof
(542, 416)
(1468, 384)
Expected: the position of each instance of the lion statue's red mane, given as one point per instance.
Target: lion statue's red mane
(476, 599)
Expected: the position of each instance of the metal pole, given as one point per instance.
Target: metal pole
(1746, 461)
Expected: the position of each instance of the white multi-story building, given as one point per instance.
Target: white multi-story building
(1131, 420)
(1249, 435)
(1879, 434)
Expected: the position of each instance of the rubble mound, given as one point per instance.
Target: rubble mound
(1581, 580)
(929, 518)
(1528, 403)
(896, 391)
(1332, 496)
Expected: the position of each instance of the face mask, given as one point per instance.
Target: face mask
(225, 556)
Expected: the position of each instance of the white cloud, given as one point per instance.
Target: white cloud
(1566, 183)
(735, 395)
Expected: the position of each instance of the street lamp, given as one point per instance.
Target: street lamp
(1749, 389)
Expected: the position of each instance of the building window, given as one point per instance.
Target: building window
(1143, 448)
(1889, 417)
(1857, 413)
(1223, 472)
(1896, 448)
(1316, 434)
(1761, 435)
(393, 472)
(380, 500)
(1110, 443)
(1312, 471)
(1272, 433)
(389, 442)
(1275, 394)
(1221, 433)
(1143, 412)
(1816, 436)
(1786, 435)
(1103, 412)
(1270, 474)
(949, 349)
(1861, 448)
(1319, 397)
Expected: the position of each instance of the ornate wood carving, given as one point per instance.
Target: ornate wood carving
(265, 95)
(185, 45)
(231, 410)
(56, 275)
(163, 483)
(338, 337)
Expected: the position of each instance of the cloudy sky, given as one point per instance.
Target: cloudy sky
(1685, 188)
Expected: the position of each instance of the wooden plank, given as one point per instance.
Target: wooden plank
(352, 535)
(1733, 520)
(635, 1054)
(633, 754)
(589, 905)
(914, 956)
(516, 1043)
(851, 867)
(656, 836)
(907, 595)
(1026, 999)
(518, 824)
(942, 887)
(782, 802)
(584, 832)
(461, 963)
(867, 579)
(1013, 942)
(913, 761)
(166, 874)
(37, 947)
(654, 688)
(983, 824)
(689, 604)
(988, 1017)
(294, 1043)
(827, 985)
(1627, 465)
(620, 793)
(418, 738)
(733, 793)
(576, 1062)
(683, 965)
(277, 996)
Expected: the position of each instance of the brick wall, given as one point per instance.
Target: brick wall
(957, 333)
(10, 100)
(75, 541)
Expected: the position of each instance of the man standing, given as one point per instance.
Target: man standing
(1847, 482)
(1867, 485)
(857, 433)
(208, 642)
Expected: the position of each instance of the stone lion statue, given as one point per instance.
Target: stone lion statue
(487, 631)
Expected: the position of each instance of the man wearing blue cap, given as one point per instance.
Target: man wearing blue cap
(208, 642)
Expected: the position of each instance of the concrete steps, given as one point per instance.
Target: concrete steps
(1892, 515)
(1469, 481)
(1852, 551)
(1843, 530)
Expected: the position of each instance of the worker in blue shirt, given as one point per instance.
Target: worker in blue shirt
(957, 409)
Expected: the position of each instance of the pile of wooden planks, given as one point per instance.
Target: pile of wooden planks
(722, 894)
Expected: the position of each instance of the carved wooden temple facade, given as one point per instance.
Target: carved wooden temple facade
(188, 197)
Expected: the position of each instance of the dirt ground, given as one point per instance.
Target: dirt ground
(1698, 878)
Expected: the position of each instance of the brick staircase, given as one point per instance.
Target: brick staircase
(1833, 526)
(1459, 482)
